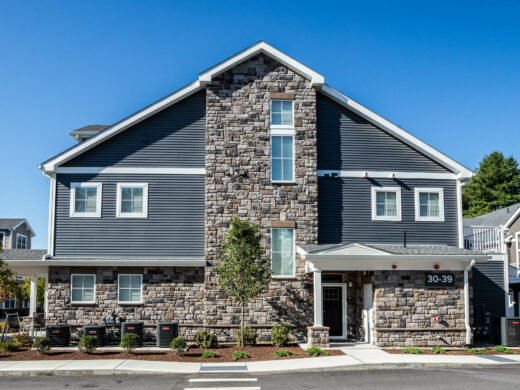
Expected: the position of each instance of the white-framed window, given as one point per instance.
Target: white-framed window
(386, 203)
(83, 288)
(9, 303)
(25, 304)
(85, 200)
(132, 200)
(282, 158)
(130, 288)
(282, 113)
(282, 252)
(429, 204)
(2, 240)
(21, 241)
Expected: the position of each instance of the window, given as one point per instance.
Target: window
(21, 241)
(132, 200)
(282, 158)
(9, 303)
(85, 200)
(130, 288)
(386, 203)
(429, 204)
(282, 113)
(83, 288)
(2, 240)
(282, 252)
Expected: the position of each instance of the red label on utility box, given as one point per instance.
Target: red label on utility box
(55, 332)
(92, 331)
(516, 322)
(130, 328)
(165, 328)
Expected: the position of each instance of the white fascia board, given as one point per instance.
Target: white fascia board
(50, 165)
(316, 79)
(109, 262)
(388, 174)
(391, 257)
(380, 265)
(396, 131)
(132, 170)
(513, 218)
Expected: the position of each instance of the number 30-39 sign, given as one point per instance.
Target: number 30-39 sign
(439, 280)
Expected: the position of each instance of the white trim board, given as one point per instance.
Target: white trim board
(132, 170)
(513, 218)
(387, 174)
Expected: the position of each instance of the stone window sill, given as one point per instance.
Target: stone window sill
(130, 303)
(83, 303)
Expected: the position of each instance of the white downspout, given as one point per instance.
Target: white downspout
(466, 302)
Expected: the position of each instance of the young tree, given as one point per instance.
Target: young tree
(7, 281)
(496, 184)
(243, 268)
(25, 290)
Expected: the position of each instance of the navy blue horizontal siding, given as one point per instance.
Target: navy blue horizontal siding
(174, 227)
(174, 137)
(349, 142)
(488, 288)
(345, 213)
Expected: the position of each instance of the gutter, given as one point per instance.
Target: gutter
(325, 257)
(108, 262)
(466, 302)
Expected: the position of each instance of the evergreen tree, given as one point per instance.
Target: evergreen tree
(496, 184)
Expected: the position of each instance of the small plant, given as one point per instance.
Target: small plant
(411, 350)
(283, 353)
(477, 351)
(206, 340)
(129, 342)
(42, 344)
(237, 355)
(503, 349)
(23, 339)
(178, 344)
(315, 351)
(209, 354)
(439, 351)
(87, 344)
(280, 335)
(9, 346)
(250, 336)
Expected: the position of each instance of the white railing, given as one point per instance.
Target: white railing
(484, 238)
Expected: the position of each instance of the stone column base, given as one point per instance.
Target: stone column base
(27, 323)
(318, 336)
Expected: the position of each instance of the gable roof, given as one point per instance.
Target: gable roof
(502, 217)
(87, 131)
(206, 77)
(13, 223)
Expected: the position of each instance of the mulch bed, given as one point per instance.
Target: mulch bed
(453, 352)
(257, 353)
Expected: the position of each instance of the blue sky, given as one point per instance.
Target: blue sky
(448, 72)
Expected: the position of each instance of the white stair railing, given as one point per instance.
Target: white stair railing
(484, 238)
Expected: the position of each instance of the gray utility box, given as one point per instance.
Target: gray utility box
(166, 332)
(507, 331)
(133, 327)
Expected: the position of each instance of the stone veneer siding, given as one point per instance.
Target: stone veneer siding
(238, 183)
(404, 306)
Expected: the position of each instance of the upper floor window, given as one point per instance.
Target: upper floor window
(282, 113)
(85, 199)
(282, 158)
(83, 287)
(21, 241)
(386, 203)
(282, 252)
(132, 200)
(130, 288)
(429, 204)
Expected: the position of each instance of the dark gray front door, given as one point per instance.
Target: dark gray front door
(332, 310)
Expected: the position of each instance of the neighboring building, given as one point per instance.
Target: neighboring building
(15, 233)
(497, 282)
(362, 221)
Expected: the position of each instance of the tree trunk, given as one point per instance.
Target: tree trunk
(242, 326)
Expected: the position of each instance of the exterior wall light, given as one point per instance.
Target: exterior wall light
(394, 266)
(436, 266)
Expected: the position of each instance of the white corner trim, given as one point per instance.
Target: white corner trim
(388, 174)
(2, 240)
(376, 217)
(438, 190)
(132, 170)
(513, 218)
(119, 286)
(397, 132)
(72, 286)
(460, 216)
(73, 213)
(316, 79)
(52, 214)
(144, 213)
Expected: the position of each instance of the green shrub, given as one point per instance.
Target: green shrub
(283, 353)
(9, 346)
(315, 351)
(250, 336)
(411, 350)
(237, 355)
(209, 354)
(439, 350)
(87, 344)
(178, 344)
(280, 335)
(129, 342)
(42, 344)
(23, 339)
(206, 340)
(503, 349)
(477, 351)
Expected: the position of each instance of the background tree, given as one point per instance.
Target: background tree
(243, 268)
(496, 184)
(25, 290)
(7, 281)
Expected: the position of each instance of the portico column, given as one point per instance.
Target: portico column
(318, 301)
(32, 296)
